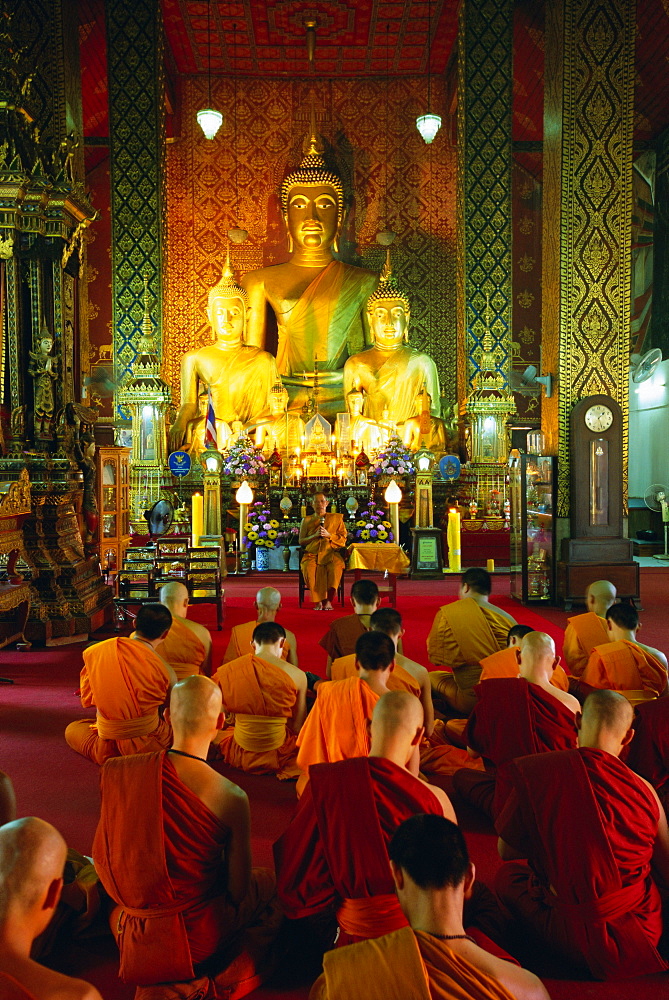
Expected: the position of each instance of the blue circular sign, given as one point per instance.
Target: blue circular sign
(179, 463)
(449, 466)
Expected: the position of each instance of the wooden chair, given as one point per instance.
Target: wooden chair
(135, 583)
(387, 585)
(203, 579)
(303, 586)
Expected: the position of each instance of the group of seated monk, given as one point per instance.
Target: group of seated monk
(373, 862)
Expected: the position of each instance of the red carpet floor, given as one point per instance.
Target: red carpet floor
(53, 782)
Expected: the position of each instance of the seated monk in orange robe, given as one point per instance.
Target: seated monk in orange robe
(187, 645)
(173, 851)
(332, 858)
(514, 717)
(322, 536)
(506, 662)
(623, 663)
(268, 698)
(433, 958)
(32, 859)
(589, 828)
(648, 753)
(128, 683)
(337, 726)
(462, 634)
(586, 631)
(341, 637)
(267, 603)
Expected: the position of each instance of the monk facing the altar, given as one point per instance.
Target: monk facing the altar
(267, 697)
(590, 897)
(323, 536)
(332, 858)
(433, 957)
(623, 663)
(173, 850)
(128, 683)
(267, 604)
(32, 859)
(318, 301)
(513, 717)
(462, 634)
(506, 662)
(341, 637)
(391, 373)
(187, 645)
(588, 630)
(239, 377)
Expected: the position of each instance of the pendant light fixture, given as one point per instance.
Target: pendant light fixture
(208, 119)
(236, 234)
(386, 236)
(428, 125)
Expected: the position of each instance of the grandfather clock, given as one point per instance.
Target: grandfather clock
(597, 549)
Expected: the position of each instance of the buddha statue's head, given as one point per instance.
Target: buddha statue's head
(312, 203)
(389, 311)
(355, 402)
(278, 399)
(227, 308)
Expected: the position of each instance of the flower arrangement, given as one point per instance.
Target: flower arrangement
(371, 526)
(261, 528)
(243, 460)
(396, 460)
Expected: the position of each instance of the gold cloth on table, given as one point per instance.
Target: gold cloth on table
(381, 558)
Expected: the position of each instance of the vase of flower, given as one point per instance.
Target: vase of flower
(262, 558)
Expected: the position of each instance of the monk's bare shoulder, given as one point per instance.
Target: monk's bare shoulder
(444, 801)
(296, 675)
(49, 985)
(416, 670)
(75, 989)
(657, 653)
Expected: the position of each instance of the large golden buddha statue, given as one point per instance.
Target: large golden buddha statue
(318, 301)
(391, 373)
(238, 375)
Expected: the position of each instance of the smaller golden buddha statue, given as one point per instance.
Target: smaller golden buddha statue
(391, 372)
(282, 430)
(424, 430)
(237, 375)
(195, 429)
(365, 433)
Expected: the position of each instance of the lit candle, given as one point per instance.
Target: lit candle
(453, 537)
(490, 565)
(197, 518)
(303, 510)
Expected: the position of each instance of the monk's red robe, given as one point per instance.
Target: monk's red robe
(127, 683)
(12, 989)
(262, 698)
(333, 856)
(512, 718)
(587, 824)
(182, 649)
(623, 666)
(240, 642)
(341, 637)
(403, 965)
(158, 851)
(582, 634)
(648, 753)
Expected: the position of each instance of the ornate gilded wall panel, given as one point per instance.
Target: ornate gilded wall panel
(485, 42)
(207, 179)
(596, 203)
(658, 335)
(135, 53)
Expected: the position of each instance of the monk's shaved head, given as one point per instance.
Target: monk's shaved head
(32, 856)
(397, 710)
(599, 597)
(268, 597)
(537, 656)
(173, 594)
(609, 711)
(195, 705)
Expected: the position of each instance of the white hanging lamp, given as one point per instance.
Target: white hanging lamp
(209, 119)
(428, 125)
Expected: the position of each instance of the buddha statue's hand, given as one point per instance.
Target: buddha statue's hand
(179, 431)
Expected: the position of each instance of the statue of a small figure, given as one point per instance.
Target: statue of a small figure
(84, 454)
(44, 369)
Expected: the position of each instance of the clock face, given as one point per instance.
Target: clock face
(598, 418)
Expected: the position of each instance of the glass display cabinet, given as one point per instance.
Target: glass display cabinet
(532, 487)
(113, 485)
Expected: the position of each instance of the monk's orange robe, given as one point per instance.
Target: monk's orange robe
(623, 666)
(12, 989)
(399, 680)
(323, 563)
(158, 851)
(403, 965)
(183, 650)
(505, 664)
(127, 683)
(240, 642)
(337, 726)
(262, 698)
(582, 634)
(463, 633)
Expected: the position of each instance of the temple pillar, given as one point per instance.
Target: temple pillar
(586, 270)
(135, 57)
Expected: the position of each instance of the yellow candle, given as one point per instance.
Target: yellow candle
(303, 511)
(197, 518)
(490, 565)
(453, 537)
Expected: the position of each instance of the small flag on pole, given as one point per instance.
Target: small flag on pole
(210, 439)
